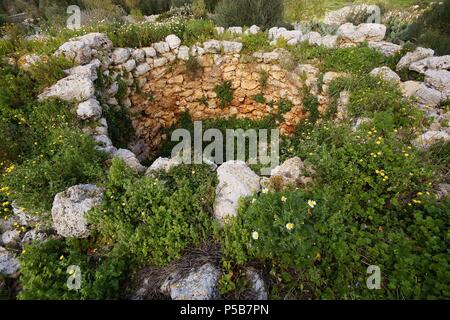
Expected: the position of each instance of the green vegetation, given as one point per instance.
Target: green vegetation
(224, 93)
(263, 13)
(43, 146)
(431, 30)
(44, 271)
(372, 199)
(155, 219)
(372, 206)
(360, 59)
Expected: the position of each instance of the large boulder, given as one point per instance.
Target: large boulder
(386, 48)
(199, 284)
(385, 73)
(428, 96)
(9, 265)
(80, 49)
(291, 36)
(290, 169)
(429, 138)
(363, 32)
(431, 63)
(73, 87)
(418, 54)
(130, 160)
(341, 16)
(236, 180)
(409, 88)
(69, 209)
(440, 80)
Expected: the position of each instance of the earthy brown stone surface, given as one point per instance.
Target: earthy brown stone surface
(169, 90)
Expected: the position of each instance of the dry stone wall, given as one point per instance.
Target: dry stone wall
(167, 91)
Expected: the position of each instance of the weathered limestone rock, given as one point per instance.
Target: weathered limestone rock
(386, 48)
(149, 52)
(258, 287)
(89, 70)
(69, 209)
(160, 164)
(212, 46)
(161, 47)
(120, 55)
(89, 109)
(338, 17)
(429, 138)
(416, 55)
(70, 88)
(428, 96)
(138, 55)
(173, 41)
(236, 180)
(80, 49)
(33, 235)
(409, 88)
(29, 60)
(8, 263)
(199, 284)
(235, 30)
(431, 63)
(183, 53)
(385, 73)
(10, 238)
(231, 47)
(363, 32)
(254, 29)
(130, 160)
(142, 69)
(130, 65)
(440, 80)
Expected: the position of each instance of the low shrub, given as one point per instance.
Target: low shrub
(431, 29)
(371, 204)
(263, 13)
(370, 95)
(68, 157)
(47, 73)
(44, 271)
(198, 30)
(221, 124)
(255, 42)
(156, 219)
(224, 93)
(359, 60)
